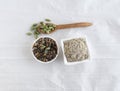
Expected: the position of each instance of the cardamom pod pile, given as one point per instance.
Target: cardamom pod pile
(43, 27)
(45, 49)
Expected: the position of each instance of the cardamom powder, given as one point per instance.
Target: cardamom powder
(76, 50)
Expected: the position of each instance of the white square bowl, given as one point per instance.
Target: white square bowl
(64, 57)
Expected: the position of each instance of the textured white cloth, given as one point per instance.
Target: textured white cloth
(20, 72)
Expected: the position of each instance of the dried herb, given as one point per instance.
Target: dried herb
(29, 33)
(42, 27)
(76, 50)
(45, 49)
(48, 20)
(42, 46)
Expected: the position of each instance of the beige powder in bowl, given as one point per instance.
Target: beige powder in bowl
(76, 49)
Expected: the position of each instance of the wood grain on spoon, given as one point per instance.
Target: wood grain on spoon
(73, 25)
(65, 26)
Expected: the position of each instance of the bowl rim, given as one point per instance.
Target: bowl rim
(40, 60)
(64, 57)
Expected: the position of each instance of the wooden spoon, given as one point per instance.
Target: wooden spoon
(72, 25)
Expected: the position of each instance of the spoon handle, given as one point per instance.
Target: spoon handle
(73, 25)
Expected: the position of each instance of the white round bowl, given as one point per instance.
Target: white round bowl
(40, 60)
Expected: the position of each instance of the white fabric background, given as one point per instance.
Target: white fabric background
(20, 72)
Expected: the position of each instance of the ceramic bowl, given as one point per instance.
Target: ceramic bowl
(76, 62)
(40, 60)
